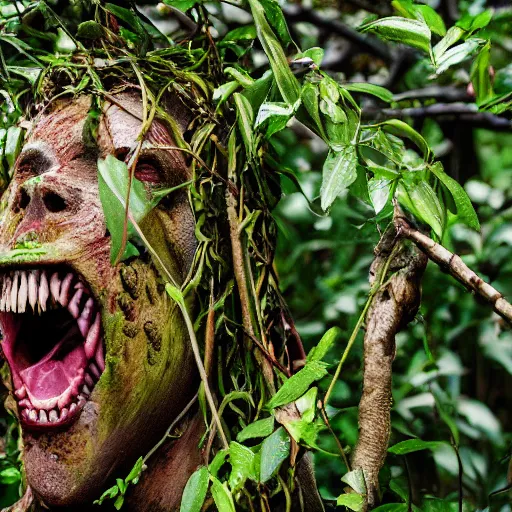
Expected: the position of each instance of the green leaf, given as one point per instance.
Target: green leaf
(413, 445)
(480, 75)
(465, 211)
(245, 121)
(375, 90)
(379, 190)
(89, 30)
(136, 471)
(457, 54)
(401, 129)
(9, 476)
(13, 145)
(113, 188)
(316, 54)
(422, 13)
(276, 18)
(242, 461)
(182, 5)
(472, 23)
(310, 96)
(247, 32)
(318, 353)
(352, 501)
(298, 384)
(339, 172)
(394, 507)
(195, 491)
(452, 36)
(276, 115)
(119, 502)
(356, 480)
(274, 451)
(421, 200)
(287, 84)
(222, 496)
(401, 30)
(175, 294)
(260, 428)
(218, 461)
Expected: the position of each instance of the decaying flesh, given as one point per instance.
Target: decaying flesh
(393, 307)
(99, 356)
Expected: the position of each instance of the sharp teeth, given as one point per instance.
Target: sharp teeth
(23, 292)
(99, 357)
(88, 380)
(55, 286)
(14, 292)
(33, 278)
(43, 291)
(92, 338)
(64, 413)
(43, 418)
(85, 318)
(53, 416)
(85, 391)
(73, 307)
(32, 415)
(5, 305)
(94, 370)
(64, 291)
(72, 408)
(21, 392)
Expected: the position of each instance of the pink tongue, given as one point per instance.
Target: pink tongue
(51, 377)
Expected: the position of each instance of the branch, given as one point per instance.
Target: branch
(446, 93)
(444, 111)
(367, 43)
(457, 268)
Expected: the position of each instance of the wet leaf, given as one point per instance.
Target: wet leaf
(318, 353)
(465, 211)
(372, 89)
(222, 496)
(259, 428)
(194, 493)
(242, 460)
(339, 172)
(413, 445)
(298, 384)
(352, 501)
(274, 451)
(401, 30)
(286, 82)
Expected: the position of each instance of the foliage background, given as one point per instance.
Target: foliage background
(456, 351)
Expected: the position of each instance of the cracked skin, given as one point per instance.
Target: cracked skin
(149, 372)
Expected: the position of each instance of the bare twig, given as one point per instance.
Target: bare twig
(441, 93)
(457, 268)
(444, 111)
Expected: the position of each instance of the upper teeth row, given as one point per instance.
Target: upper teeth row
(35, 287)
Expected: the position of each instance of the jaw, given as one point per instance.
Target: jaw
(51, 326)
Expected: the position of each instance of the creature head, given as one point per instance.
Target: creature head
(98, 353)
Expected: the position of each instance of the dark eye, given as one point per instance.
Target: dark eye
(147, 173)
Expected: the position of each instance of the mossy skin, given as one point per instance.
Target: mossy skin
(150, 373)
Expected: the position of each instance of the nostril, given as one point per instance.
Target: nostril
(53, 202)
(23, 201)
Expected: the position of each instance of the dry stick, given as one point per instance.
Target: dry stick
(457, 268)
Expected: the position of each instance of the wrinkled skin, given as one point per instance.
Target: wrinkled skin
(149, 374)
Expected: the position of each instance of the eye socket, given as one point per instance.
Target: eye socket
(147, 173)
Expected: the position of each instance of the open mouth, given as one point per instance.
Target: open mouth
(51, 326)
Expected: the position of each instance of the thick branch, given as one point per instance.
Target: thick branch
(396, 273)
(457, 268)
(460, 111)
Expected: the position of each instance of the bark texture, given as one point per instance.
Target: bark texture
(399, 266)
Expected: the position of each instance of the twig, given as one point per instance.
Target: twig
(445, 111)
(457, 268)
(440, 93)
